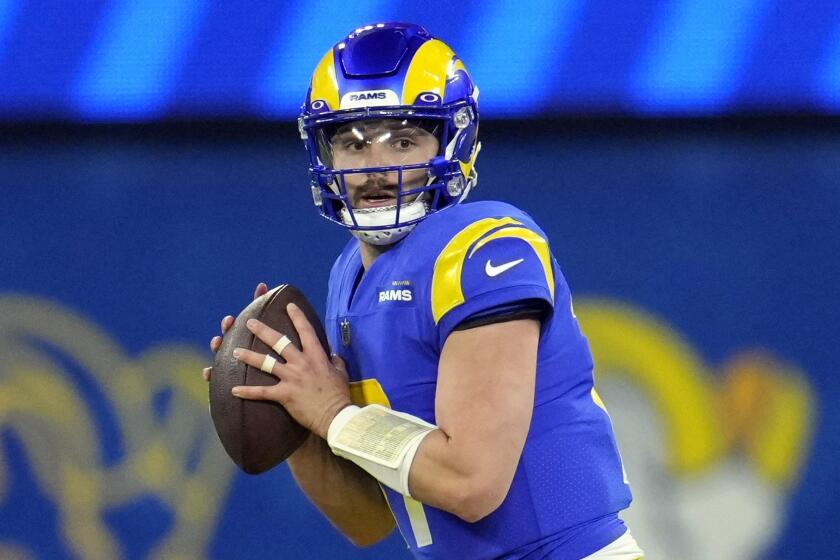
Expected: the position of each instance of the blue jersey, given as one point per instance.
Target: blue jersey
(390, 323)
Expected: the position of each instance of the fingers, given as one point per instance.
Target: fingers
(261, 289)
(308, 339)
(205, 373)
(272, 337)
(264, 362)
(216, 341)
(281, 345)
(338, 363)
(256, 392)
(340, 366)
(227, 323)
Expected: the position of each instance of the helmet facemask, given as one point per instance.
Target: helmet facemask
(380, 176)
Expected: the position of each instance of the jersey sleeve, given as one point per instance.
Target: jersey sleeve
(492, 263)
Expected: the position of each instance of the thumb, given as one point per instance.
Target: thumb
(261, 289)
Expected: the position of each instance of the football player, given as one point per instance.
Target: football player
(460, 398)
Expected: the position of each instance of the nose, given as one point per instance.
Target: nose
(379, 155)
(380, 179)
(373, 174)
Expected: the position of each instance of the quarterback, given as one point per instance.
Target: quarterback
(459, 403)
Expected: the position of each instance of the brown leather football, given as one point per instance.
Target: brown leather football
(258, 435)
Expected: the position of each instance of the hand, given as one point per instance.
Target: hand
(312, 388)
(227, 322)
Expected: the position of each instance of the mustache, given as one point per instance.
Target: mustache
(383, 185)
(375, 186)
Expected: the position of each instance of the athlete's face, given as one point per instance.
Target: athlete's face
(380, 143)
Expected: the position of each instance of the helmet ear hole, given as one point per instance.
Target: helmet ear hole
(465, 144)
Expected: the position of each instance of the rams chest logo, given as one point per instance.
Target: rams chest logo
(395, 295)
(399, 290)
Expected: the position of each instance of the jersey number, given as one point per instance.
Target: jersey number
(596, 398)
(369, 391)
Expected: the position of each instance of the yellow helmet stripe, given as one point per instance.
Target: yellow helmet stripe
(446, 279)
(466, 166)
(428, 70)
(324, 82)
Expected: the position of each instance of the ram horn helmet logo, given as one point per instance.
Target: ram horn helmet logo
(371, 98)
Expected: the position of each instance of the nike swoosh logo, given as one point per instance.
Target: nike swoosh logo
(496, 270)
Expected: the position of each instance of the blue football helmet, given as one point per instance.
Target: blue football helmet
(391, 85)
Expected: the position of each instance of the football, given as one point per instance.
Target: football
(258, 435)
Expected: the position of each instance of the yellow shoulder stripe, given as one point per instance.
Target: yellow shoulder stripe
(446, 279)
(537, 243)
(324, 82)
(447, 293)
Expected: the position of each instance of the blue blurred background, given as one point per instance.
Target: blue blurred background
(139, 61)
(683, 157)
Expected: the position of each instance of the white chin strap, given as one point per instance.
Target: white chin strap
(383, 216)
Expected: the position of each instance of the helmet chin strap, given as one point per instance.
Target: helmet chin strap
(382, 216)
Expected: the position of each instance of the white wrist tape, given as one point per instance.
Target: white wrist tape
(381, 441)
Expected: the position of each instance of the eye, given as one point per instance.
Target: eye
(355, 145)
(403, 144)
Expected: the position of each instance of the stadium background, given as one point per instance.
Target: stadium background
(682, 155)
